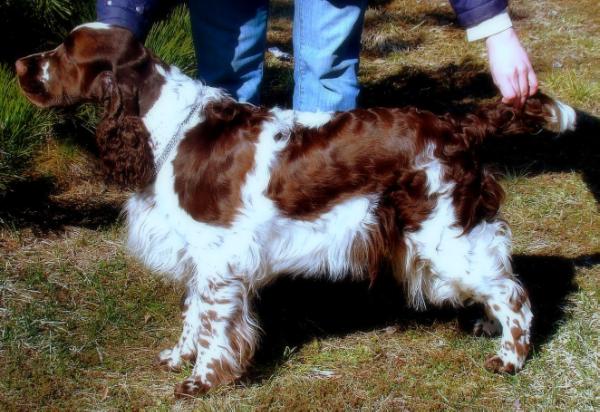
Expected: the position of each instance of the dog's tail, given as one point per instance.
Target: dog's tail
(539, 112)
(500, 120)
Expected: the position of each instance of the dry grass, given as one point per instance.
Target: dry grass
(81, 322)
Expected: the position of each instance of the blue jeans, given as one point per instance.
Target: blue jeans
(230, 39)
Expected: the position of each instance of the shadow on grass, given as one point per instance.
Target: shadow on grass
(30, 205)
(545, 153)
(293, 312)
(455, 88)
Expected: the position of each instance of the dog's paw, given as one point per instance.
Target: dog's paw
(497, 365)
(191, 387)
(170, 360)
(173, 359)
(487, 327)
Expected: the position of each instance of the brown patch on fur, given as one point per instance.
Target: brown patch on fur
(190, 387)
(212, 315)
(214, 158)
(206, 324)
(516, 333)
(522, 349)
(518, 302)
(221, 372)
(203, 342)
(495, 364)
(509, 368)
(355, 153)
(383, 245)
(373, 151)
(496, 307)
(189, 357)
(207, 299)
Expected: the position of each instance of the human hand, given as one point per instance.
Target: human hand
(511, 68)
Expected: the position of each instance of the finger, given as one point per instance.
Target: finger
(523, 85)
(513, 94)
(506, 89)
(533, 82)
(514, 81)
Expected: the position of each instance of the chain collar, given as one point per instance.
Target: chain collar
(174, 140)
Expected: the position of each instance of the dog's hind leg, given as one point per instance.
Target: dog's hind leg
(457, 268)
(509, 304)
(487, 325)
(492, 282)
(226, 339)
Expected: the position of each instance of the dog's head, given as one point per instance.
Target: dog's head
(95, 62)
(104, 64)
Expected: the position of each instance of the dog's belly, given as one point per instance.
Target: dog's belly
(323, 246)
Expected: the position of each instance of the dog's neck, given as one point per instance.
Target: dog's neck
(178, 96)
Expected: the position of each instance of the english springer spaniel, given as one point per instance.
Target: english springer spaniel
(231, 196)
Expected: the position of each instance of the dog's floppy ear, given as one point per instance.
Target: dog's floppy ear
(122, 138)
(104, 89)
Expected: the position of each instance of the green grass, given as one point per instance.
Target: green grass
(22, 129)
(61, 322)
(171, 39)
(81, 322)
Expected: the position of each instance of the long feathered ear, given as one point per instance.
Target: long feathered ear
(123, 140)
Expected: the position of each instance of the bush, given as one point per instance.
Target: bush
(171, 40)
(22, 128)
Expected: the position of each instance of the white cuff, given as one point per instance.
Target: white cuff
(486, 28)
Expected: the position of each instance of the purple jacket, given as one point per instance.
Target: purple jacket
(136, 15)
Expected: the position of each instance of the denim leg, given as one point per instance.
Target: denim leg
(326, 39)
(229, 39)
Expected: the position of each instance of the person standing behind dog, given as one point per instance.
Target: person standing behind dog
(230, 40)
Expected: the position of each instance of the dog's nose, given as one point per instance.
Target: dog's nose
(20, 67)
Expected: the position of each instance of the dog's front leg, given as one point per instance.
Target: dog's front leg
(185, 350)
(226, 337)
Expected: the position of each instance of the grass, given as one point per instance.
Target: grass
(81, 322)
(171, 39)
(22, 129)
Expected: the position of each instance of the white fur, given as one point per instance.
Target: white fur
(45, 72)
(566, 115)
(313, 119)
(178, 96)
(322, 246)
(96, 25)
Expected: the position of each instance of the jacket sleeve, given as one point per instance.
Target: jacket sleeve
(482, 18)
(472, 12)
(135, 15)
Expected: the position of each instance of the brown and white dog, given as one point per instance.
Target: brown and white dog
(231, 196)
